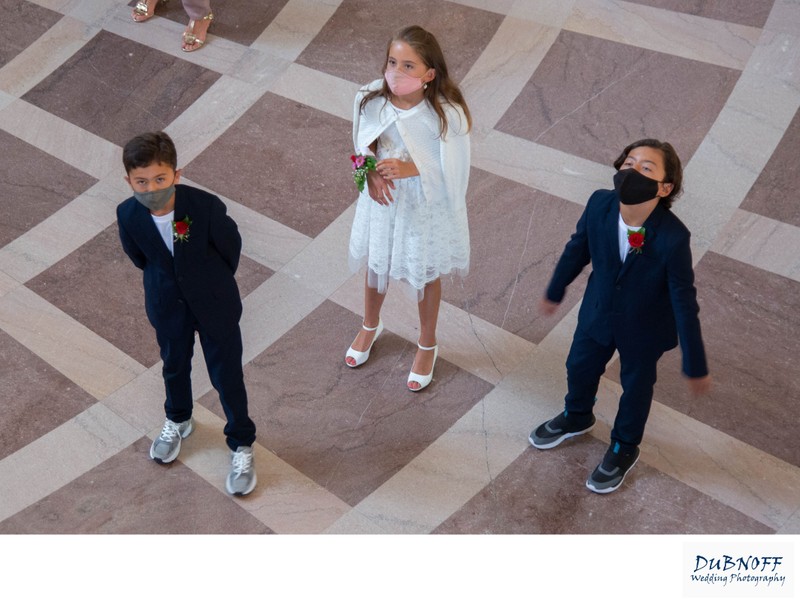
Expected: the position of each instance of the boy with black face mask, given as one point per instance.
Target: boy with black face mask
(188, 249)
(640, 300)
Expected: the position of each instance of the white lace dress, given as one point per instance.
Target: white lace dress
(414, 239)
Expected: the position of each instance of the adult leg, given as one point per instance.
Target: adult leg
(428, 308)
(200, 17)
(224, 362)
(638, 377)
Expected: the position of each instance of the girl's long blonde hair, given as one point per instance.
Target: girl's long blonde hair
(441, 88)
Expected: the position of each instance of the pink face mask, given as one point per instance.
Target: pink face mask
(401, 83)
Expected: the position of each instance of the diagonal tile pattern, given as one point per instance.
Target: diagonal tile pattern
(261, 117)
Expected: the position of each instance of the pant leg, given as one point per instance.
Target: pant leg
(638, 377)
(224, 362)
(176, 354)
(586, 363)
(197, 9)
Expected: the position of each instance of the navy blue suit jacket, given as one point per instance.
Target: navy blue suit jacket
(644, 304)
(200, 276)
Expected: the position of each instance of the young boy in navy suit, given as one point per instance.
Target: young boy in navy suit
(640, 300)
(188, 249)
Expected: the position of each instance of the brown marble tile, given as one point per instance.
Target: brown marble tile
(752, 337)
(352, 45)
(33, 185)
(240, 22)
(743, 12)
(36, 397)
(117, 88)
(285, 160)
(774, 193)
(544, 492)
(22, 23)
(130, 494)
(591, 97)
(517, 235)
(348, 429)
(100, 288)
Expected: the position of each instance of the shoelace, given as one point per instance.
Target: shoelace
(169, 431)
(242, 461)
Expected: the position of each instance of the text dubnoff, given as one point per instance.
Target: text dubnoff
(719, 569)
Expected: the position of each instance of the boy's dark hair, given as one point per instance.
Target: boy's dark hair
(147, 149)
(672, 166)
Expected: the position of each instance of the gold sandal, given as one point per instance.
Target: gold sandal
(142, 10)
(189, 39)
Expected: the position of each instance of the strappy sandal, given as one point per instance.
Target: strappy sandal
(191, 42)
(143, 10)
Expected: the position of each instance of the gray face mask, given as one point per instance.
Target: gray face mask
(155, 200)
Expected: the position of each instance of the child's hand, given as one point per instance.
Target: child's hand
(392, 169)
(547, 307)
(378, 188)
(699, 386)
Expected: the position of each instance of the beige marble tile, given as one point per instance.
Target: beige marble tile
(7, 283)
(64, 231)
(62, 455)
(61, 139)
(547, 169)
(318, 90)
(294, 27)
(140, 401)
(42, 57)
(784, 17)
(75, 351)
(284, 499)
(679, 34)
(552, 13)
(503, 69)
(272, 309)
(762, 242)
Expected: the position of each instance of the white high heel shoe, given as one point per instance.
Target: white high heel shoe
(424, 380)
(362, 357)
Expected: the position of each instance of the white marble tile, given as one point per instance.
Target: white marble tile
(60, 456)
(96, 12)
(285, 500)
(44, 55)
(761, 242)
(679, 34)
(318, 90)
(140, 401)
(71, 144)
(552, 13)
(503, 69)
(78, 353)
(64, 231)
(502, 7)
(294, 27)
(544, 168)
(784, 17)
(7, 283)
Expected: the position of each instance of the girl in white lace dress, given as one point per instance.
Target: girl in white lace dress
(411, 219)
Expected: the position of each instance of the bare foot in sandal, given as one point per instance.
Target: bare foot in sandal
(144, 10)
(195, 35)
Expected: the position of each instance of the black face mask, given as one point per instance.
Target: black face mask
(634, 188)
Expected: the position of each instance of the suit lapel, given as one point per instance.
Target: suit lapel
(150, 235)
(612, 233)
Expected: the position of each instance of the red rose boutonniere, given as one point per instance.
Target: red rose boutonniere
(362, 165)
(636, 240)
(180, 229)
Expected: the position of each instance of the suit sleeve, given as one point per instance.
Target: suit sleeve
(224, 234)
(683, 296)
(130, 248)
(573, 260)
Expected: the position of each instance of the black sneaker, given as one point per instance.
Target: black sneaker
(551, 433)
(609, 474)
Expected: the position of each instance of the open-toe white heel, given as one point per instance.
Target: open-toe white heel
(423, 380)
(362, 357)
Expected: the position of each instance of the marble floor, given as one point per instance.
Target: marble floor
(262, 117)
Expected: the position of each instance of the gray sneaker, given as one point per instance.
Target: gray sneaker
(551, 433)
(242, 478)
(166, 447)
